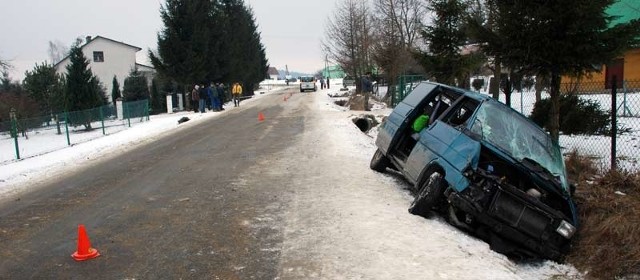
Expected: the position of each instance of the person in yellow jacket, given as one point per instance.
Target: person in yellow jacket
(236, 91)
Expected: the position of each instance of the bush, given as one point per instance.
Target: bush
(477, 84)
(577, 115)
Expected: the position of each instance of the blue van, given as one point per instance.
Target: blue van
(487, 168)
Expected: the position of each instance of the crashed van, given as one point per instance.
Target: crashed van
(485, 167)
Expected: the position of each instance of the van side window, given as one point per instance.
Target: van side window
(461, 112)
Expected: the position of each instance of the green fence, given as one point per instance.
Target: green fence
(28, 137)
(406, 84)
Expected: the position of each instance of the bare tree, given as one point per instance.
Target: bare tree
(397, 25)
(348, 38)
(57, 51)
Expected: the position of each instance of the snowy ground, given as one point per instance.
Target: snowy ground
(366, 218)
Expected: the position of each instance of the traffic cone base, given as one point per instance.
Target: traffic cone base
(84, 251)
(260, 117)
(93, 253)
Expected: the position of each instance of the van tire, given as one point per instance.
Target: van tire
(379, 162)
(430, 191)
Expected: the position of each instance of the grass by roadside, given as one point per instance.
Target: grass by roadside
(607, 244)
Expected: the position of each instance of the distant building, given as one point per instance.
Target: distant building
(333, 72)
(109, 58)
(273, 73)
(626, 67)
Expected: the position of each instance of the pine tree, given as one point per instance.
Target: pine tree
(206, 41)
(158, 103)
(83, 90)
(45, 86)
(445, 39)
(135, 87)
(184, 52)
(115, 90)
(558, 38)
(246, 62)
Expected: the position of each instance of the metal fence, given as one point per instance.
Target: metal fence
(28, 137)
(406, 84)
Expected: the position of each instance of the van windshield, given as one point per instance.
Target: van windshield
(520, 138)
(306, 79)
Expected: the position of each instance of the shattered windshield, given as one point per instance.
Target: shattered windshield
(518, 137)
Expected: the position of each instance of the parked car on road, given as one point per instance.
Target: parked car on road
(485, 167)
(308, 83)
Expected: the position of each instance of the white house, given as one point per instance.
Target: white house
(273, 73)
(109, 58)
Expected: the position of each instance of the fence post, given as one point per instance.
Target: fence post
(146, 108)
(102, 120)
(66, 127)
(127, 114)
(614, 121)
(14, 130)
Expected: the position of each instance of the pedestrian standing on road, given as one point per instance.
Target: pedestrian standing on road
(215, 98)
(210, 104)
(321, 82)
(220, 89)
(203, 98)
(195, 98)
(236, 91)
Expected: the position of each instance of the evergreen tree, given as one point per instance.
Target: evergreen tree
(115, 90)
(445, 38)
(184, 52)
(83, 90)
(158, 103)
(246, 62)
(45, 86)
(205, 41)
(135, 87)
(558, 38)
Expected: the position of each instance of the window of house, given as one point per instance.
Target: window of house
(98, 57)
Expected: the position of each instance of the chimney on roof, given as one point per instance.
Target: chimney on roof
(88, 39)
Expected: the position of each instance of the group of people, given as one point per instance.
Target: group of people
(213, 97)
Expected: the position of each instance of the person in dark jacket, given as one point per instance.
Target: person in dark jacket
(215, 97)
(202, 92)
(195, 98)
(221, 94)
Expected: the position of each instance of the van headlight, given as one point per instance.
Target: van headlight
(566, 229)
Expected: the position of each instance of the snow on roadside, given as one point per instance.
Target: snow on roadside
(357, 225)
(18, 176)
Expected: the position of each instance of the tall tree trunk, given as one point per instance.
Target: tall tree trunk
(539, 86)
(554, 125)
(494, 87)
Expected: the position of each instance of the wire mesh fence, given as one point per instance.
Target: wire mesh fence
(596, 143)
(28, 137)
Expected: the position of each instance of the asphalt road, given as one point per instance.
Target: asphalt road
(179, 207)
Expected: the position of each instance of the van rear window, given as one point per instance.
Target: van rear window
(306, 79)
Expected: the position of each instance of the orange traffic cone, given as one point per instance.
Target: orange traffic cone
(84, 252)
(260, 117)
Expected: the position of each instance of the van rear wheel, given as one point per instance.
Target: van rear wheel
(430, 191)
(379, 161)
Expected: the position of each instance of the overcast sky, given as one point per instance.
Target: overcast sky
(291, 29)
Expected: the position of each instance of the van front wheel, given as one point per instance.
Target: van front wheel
(429, 192)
